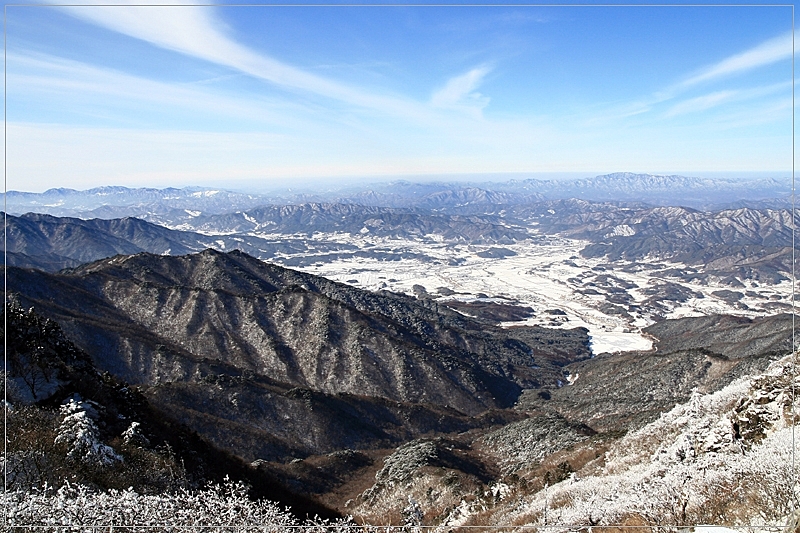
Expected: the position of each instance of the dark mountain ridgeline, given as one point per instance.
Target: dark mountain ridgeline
(81, 241)
(284, 343)
(208, 304)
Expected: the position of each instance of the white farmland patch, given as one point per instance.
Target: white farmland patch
(548, 275)
(612, 341)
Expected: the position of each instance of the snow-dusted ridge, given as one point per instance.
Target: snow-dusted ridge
(724, 458)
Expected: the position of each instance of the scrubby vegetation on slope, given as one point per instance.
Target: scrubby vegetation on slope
(721, 458)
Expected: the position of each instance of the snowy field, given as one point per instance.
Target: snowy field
(550, 276)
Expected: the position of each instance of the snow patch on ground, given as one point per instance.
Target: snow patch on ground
(611, 342)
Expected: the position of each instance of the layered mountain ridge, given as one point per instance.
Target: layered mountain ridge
(119, 202)
(741, 242)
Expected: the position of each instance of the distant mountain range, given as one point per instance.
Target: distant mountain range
(748, 243)
(103, 202)
(356, 219)
(170, 205)
(744, 243)
(52, 243)
(657, 190)
(662, 190)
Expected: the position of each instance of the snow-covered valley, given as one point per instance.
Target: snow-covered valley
(613, 300)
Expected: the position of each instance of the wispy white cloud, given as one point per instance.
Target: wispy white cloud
(700, 103)
(778, 111)
(194, 31)
(374, 132)
(459, 91)
(717, 98)
(766, 53)
(184, 132)
(78, 87)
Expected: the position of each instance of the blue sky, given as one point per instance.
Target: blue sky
(256, 96)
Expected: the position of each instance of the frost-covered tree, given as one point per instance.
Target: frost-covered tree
(80, 433)
(133, 436)
(79, 508)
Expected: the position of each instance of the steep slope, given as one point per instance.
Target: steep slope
(45, 240)
(626, 390)
(290, 326)
(69, 423)
(566, 432)
(723, 458)
(274, 342)
(731, 337)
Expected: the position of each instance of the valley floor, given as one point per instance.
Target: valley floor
(614, 301)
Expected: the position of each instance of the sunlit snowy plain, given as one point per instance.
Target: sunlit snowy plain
(546, 274)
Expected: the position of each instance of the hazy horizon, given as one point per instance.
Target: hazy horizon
(361, 182)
